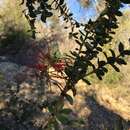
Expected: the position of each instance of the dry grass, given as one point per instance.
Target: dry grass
(115, 99)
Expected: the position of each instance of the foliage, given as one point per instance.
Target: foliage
(14, 28)
(80, 63)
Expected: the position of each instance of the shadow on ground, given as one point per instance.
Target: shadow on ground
(103, 119)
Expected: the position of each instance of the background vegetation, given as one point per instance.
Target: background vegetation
(93, 107)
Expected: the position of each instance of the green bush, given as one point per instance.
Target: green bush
(13, 28)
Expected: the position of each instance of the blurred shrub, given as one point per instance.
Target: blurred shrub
(13, 28)
(11, 41)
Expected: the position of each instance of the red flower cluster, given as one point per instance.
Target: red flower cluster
(42, 61)
(59, 66)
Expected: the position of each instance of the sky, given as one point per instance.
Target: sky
(82, 14)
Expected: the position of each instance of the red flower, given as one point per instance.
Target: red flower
(59, 66)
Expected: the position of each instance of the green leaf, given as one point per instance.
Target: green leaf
(121, 47)
(111, 60)
(74, 91)
(86, 81)
(126, 52)
(99, 49)
(77, 24)
(121, 61)
(118, 13)
(75, 35)
(63, 118)
(74, 53)
(104, 69)
(43, 17)
(116, 68)
(81, 38)
(105, 54)
(78, 42)
(70, 14)
(112, 52)
(61, 2)
(60, 105)
(49, 14)
(50, 108)
(66, 111)
(69, 98)
(101, 63)
(99, 74)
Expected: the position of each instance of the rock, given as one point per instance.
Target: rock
(8, 70)
(12, 72)
(23, 78)
(20, 91)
